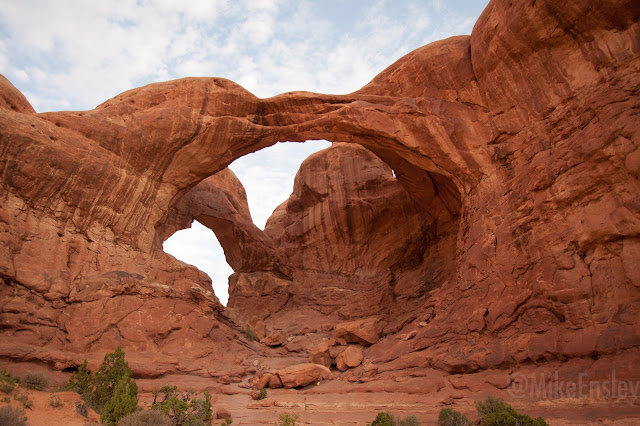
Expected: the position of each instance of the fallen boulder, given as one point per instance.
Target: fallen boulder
(303, 374)
(366, 331)
(350, 358)
(275, 338)
(320, 354)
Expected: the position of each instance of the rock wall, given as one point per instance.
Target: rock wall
(520, 141)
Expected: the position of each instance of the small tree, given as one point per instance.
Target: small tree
(123, 402)
(112, 369)
(382, 419)
(495, 412)
(81, 381)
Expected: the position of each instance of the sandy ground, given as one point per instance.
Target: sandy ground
(342, 404)
(42, 413)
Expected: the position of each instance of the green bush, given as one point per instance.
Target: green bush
(7, 382)
(123, 402)
(146, 418)
(382, 419)
(262, 394)
(54, 401)
(496, 412)
(387, 419)
(111, 391)
(226, 422)
(287, 419)
(37, 381)
(185, 409)
(250, 335)
(111, 371)
(81, 381)
(409, 421)
(449, 417)
(12, 416)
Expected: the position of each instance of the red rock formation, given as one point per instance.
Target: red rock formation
(516, 152)
(353, 239)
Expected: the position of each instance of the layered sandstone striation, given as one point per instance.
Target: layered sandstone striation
(509, 235)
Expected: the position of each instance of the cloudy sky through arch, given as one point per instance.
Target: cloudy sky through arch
(75, 54)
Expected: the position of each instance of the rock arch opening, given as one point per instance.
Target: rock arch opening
(357, 236)
(199, 246)
(268, 175)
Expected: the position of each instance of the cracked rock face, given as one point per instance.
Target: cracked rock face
(510, 233)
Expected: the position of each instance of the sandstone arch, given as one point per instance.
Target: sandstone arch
(530, 119)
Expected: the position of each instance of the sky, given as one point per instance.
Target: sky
(75, 54)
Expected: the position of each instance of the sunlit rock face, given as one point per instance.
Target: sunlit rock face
(509, 234)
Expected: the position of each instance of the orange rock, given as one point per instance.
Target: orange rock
(275, 338)
(275, 381)
(264, 381)
(366, 332)
(320, 354)
(222, 413)
(350, 358)
(303, 374)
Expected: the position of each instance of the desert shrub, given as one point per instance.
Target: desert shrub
(123, 402)
(496, 412)
(81, 408)
(449, 417)
(387, 419)
(146, 418)
(112, 370)
(7, 381)
(226, 422)
(250, 335)
(409, 421)
(382, 419)
(185, 409)
(287, 419)
(54, 401)
(23, 398)
(262, 394)
(81, 381)
(111, 391)
(37, 381)
(6, 399)
(12, 416)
